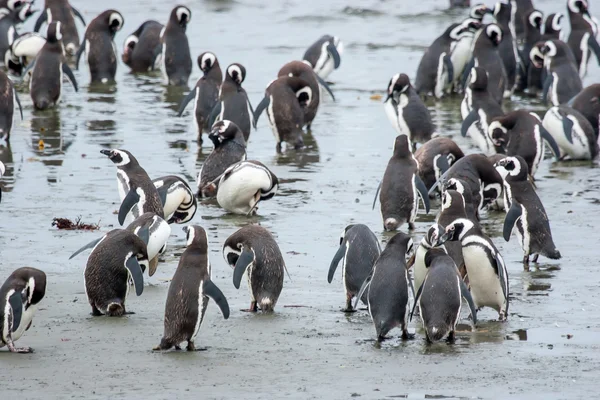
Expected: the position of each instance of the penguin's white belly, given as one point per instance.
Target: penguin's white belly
(485, 286)
(465, 105)
(174, 200)
(478, 132)
(26, 319)
(158, 239)
(420, 269)
(460, 56)
(239, 192)
(579, 149)
(390, 111)
(415, 209)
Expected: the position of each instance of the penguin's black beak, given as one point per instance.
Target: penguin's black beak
(443, 239)
(107, 153)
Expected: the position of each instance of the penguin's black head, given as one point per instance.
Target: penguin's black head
(512, 168)
(400, 83)
(54, 34)
(455, 230)
(402, 146)
(494, 33)
(432, 255)
(224, 130)
(196, 236)
(578, 6)
(535, 19)
(471, 24)
(237, 73)
(479, 79)
(502, 12)
(402, 242)
(478, 11)
(114, 21)
(434, 233)
(118, 157)
(181, 15)
(206, 61)
(553, 25)
(499, 135)
(23, 9)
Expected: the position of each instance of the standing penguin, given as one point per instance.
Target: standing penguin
(230, 148)
(158, 231)
(253, 249)
(582, 39)
(175, 59)
(572, 132)
(360, 249)
(440, 297)
(406, 111)
(435, 157)
(206, 92)
(99, 46)
(460, 51)
(507, 48)
(177, 198)
(286, 100)
(553, 27)
(529, 76)
(324, 55)
(20, 296)
(189, 292)
(117, 258)
(8, 98)
(46, 82)
(140, 47)
(519, 9)
(136, 190)
(61, 11)
(429, 240)
(587, 102)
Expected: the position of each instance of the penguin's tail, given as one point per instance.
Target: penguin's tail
(115, 309)
(435, 333)
(71, 49)
(266, 304)
(391, 224)
(41, 104)
(553, 254)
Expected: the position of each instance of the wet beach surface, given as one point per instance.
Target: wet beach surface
(307, 348)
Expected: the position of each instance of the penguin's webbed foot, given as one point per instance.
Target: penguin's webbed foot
(535, 258)
(192, 347)
(411, 226)
(95, 312)
(22, 350)
(177, 347)
(451, 338)
(502, 316)
(407, 336)
(253, 308)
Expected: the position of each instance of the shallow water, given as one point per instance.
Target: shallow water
(313, 351)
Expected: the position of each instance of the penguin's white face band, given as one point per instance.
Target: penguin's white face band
(577, 6)
(304, 95)
(131, 41)
(456, 32)
(124, 157)
(455, 184)
(115, 21)
(2, 168)
(550, 49)
(494, 32)
(183, 14)
(230, 251)
(30, 289)
(446, 201)
(13, 4)
(556, 22)
(24, 11)
(536, 18)
(235, 73)
(473, 75)
(208, 60)
(223, 128)
(190, 235)
(508, 166)
(58, 32)
(393, 83)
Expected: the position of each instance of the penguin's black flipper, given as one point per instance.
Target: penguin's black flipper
(466, 294)
(162, 193)
(417, 297)
(189, 97)
(133, 266)
(593, 44)
(16, 304)
(469, 120)
(376, 194)
(442, 163)
(336, 259)
(78, 55)
(502, 275)
(214, 114)
(211, 290)
(546, 89)
(325, 85)
(466, 73)
(254, 120)
(449, 68)
(144, 234)
(87, 246)
(244, 260)
(264, 103)
(567, 128)
(512, 216)
(333, 52)
(157, 51)
(18, 102)
(422, 189)
(551, 142)
(41, 19)
(67, 71)
(128, 202)
(438, 182)
(363, 287)
(77, 14)
(28, 69)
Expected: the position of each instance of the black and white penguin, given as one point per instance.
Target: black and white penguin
(401, 187)
(587, 102)
(525, 211)
(521, 133)
(234, 104)
(117, 258)
(572, 132)
(62, 11)
(175, 59)
(360, 249)
(286, 100)
(23, 50)
(140, 47)
(99, 46)
(488, 276)
(387, 293)
(519, 9)
(461, 51)
(562, 81)
(529, 76)
(2, 171)
(243, 185)
(440, 297)
(553, 27)
(457, 202)
(478, 109)
(324, 55)
(253, 250)
(10, 17)
(8, 98)
(25, 7)
(503, 16)
(178, 200)
(189, 292)
(429, 240)
(158, 231)
(582, 39)
(406, 111)
(136, 190)
(46, 82)
(230, 148)
(479, 11)
(435, 157)
(20, 296)
(206, 92)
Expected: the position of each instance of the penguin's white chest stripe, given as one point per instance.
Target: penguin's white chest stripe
(402, 125)
(344, 268)
(122, 184)
(200, 301)
(554, 89)
(271, 116)
(523, 230)
(584, 55)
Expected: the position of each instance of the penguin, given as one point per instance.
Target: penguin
(63, 12)
(10, 18)
(360, 250)
(230, 148)
(117, 258)
(304, 71)
(457, 202)
(178, 200)
(24, 7)
(253, 249)
(503, 16)
(286, 100)
(23, 50)
(530, 77)
(175, 59)
(99, 46)
(136, 190)
(478, 109)
(189, 292)
(400, 188)
(519, 10)
(139, 47)
(479, 11)
(562, 81)
(20, 296)
(525, 210)
(234, 104)
(158, 231)
(406, 111)
(8, 98)
(243, 185)
(488, 276)
(572, 132)
(46, 82)
(324, 55)
(428, 242)
(582, 39)
(521, 133)
(206, 92)
(387, 297)
(553, 27)
(460, 51)
(587, 102)
(435, 157)
(440, 297)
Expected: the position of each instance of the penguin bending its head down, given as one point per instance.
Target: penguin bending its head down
(140, 47)
(572, 132)
(173, 53)
(324, 55)
(63, 12)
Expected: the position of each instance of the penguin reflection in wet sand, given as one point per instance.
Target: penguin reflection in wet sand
(582, 39)
(230, 148)
(61, 11)
(206, 92)
(440, 297)
(48, 68)
(401, 187)
(525, 210)
(253, 250)
(324, 55)
(140, 47)
(406, 111)
(572, 132)
(179, 203)
(20, 296)
(359, 248)
(8, 98)
(99, 46)
(189, 293)
(175, 59)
